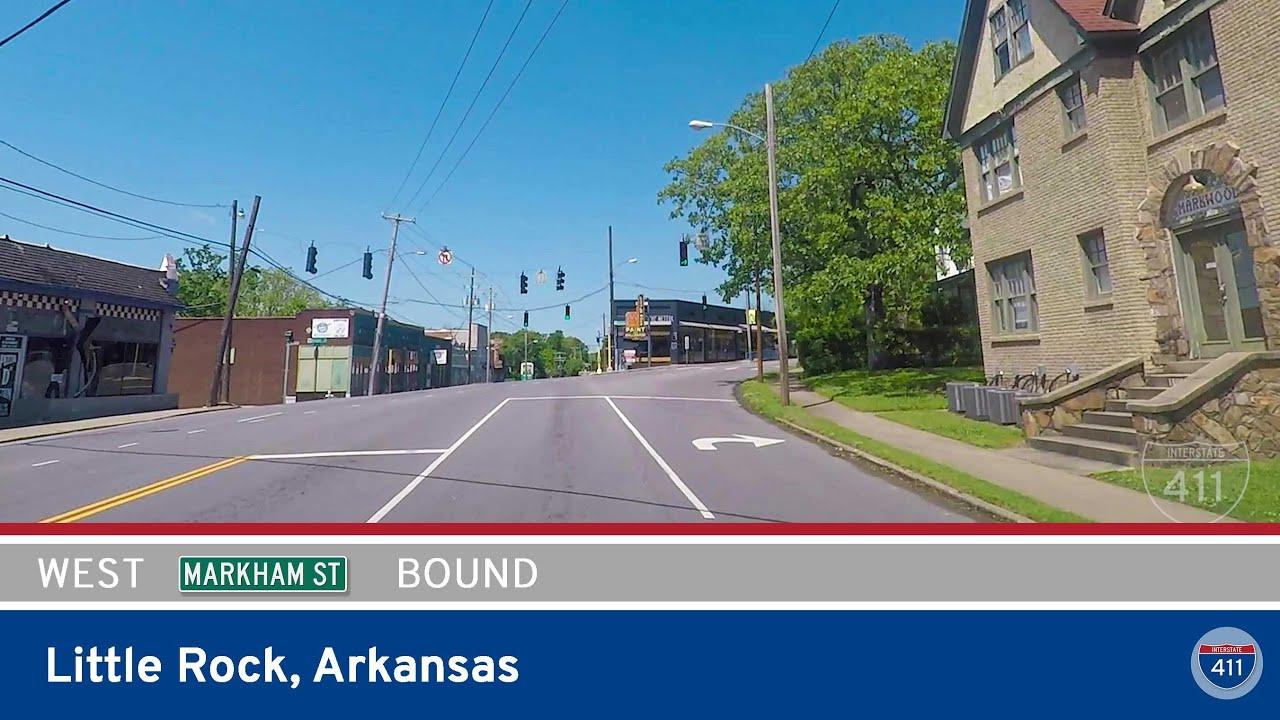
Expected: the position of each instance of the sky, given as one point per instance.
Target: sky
(320, 106)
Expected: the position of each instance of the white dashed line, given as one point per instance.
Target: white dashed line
(193, 432)
(46, 462)
(121, 447)
(256, 418)
(310, 412)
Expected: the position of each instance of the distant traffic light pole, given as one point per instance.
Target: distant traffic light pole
(770, 141)
(376, 360)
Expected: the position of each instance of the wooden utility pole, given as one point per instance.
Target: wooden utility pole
(488, 341)
(471, 306)
(231, 271)
(759, 332)
(376, 360)
(234, 295)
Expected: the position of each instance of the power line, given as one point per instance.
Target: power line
(440, 109)
(35, 22)
(474, 99)
(823, 31)
(59, 168)
(78, 234)
(39, 194)
(493, 112)
(405, 264)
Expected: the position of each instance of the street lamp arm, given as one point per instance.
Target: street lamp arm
(702, 124)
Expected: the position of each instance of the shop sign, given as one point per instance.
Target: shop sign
(12, 355)
(441, 355)
(330, 328)
(1215, 197)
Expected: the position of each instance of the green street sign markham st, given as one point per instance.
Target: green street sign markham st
(303, 574)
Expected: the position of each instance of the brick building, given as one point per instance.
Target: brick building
(1120, 162)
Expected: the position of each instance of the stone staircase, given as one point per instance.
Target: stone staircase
(1108, 435)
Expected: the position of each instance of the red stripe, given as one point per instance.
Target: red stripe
(1226, 649)
(726, 529)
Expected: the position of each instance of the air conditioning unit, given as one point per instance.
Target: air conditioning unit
(955, 396)
(1004, 406)
(974, 398)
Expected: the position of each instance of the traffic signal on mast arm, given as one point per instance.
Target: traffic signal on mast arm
(526, 318)
(559, 279)
(368, 265)
(311, 259)
(684, 252)
(524, 284)
(566, 312)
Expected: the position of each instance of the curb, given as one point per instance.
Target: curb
(941, 487)
(42, 431)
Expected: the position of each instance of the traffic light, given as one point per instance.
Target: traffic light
(704, 302)
(684, 253)
(368, 265)
(311, 259)
(559, 279)
(524, 284)
(526, 318)
(566, 312)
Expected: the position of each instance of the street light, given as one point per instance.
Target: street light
(770, 143)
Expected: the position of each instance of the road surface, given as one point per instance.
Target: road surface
(662, 445)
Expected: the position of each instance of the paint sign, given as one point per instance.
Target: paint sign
(441, 356)
(330, 328)
(1214, 198)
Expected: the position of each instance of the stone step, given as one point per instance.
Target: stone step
(1117, 406)
(1184, 366)
(1106, 433)
(1144, 392)
(1091, 449)
(1165, 379)
(1118, 418)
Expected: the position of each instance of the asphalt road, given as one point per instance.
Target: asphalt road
(611, 448)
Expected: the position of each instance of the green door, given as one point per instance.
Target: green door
(1218, 281)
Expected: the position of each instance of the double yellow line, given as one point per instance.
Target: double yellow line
(92, 509)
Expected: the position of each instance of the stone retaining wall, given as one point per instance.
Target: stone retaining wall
(1245, 410)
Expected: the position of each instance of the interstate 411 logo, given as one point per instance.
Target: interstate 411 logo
(1226, 663)
(1195, 481)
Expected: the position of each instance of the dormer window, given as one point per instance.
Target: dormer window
(1010, 35)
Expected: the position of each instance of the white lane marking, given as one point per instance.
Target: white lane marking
(345, 453)
(663, 397)
(355, 404)
(193, 432)
(121, 447)
(559, 397)
(46, 462)
(393, 502)
(709, 443)
(310, 412)
(675, 479)
(259, 417)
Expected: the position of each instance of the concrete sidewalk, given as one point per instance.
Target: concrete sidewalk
(1084, 496)
(32, 432)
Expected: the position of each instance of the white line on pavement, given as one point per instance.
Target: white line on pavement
(675, 479)
(660, 397)
(193, 432)
(310, 412)
(345, 453)
(46, 462)
(355, 404)
(393, 502)
(121, 447)
(259, 417)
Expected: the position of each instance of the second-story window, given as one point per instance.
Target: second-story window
(998, 159)
(1010, 35)
(1071, 93)
(1185, 80)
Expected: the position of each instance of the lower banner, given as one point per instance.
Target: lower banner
(624, 663)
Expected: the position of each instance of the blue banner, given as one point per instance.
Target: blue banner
(608, 664)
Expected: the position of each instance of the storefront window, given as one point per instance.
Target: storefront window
(44, 374)
(120, 368)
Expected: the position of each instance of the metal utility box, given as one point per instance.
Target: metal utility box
(1003, 406)
(974, 398)
(955, 396)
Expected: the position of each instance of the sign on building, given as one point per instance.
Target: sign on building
(1209, 197)
(330, 328)
(12, 354)
(441, 355)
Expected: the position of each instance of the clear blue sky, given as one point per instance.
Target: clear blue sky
(320, 105)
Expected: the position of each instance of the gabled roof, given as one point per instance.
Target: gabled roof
(1086, 15)
(43, 265)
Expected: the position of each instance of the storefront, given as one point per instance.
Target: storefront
(682, 332)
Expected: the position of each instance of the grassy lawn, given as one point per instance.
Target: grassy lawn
(914, 396)
(1261, 501)
(763, 400)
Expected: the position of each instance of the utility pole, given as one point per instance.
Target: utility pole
(748, 318)
(759, 332)
(234, 294)
(488, 358)
(375, 362)
(231, 270)
(613, 352)
(772, 143)
(648, 334)
(471, 306)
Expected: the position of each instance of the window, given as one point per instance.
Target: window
(1010, 35)
(1071, 93)
(1013, 295)
(998, 158)
(120, 368)
(1184, 77)
(1097, 266)
(1126, 10)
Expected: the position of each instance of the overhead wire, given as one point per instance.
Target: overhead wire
(78, 234)
(56, 7)
(823, 31)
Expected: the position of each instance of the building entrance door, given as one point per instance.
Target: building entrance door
(1221, 291)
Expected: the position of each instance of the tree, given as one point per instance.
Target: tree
(869, 191)
(203, 287)
(543, 351)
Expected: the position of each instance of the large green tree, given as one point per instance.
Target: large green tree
(204, 288)
(869, 191)
(552, 355)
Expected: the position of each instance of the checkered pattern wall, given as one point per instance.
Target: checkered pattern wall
(128, 311)
(14, 298)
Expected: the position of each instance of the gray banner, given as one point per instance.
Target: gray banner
(955, 572)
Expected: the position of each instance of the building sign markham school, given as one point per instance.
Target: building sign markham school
(1215, 198)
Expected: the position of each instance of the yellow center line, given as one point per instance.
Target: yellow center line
(128, 496)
